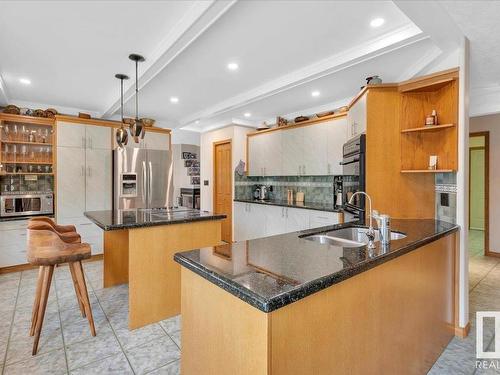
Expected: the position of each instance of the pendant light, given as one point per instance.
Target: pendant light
(121, 133)
(137, 129)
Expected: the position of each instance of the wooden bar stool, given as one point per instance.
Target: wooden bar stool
(51, 222)
(46, 249)
(68, 237)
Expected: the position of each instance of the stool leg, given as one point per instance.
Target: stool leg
(37, 300)
(77, 266)
(47, 279)
(77, 289)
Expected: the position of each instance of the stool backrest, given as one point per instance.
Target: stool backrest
(46, 248)
(69, 237)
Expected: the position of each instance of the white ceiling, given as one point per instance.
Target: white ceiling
(285, 49)
(71, 50)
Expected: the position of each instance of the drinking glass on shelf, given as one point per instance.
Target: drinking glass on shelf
(24, 133)
(32, 155)
(6, 131)
(45, 136)
(15, 133)
(14, 152)
(48, 154)
(24, 153)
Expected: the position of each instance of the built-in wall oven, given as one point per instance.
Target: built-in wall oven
(26, 204)
(354, 174)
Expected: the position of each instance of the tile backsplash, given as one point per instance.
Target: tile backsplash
(315, 188)
(446, 197)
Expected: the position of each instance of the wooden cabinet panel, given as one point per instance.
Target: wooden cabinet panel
(356, 118)
(292, 144)
(70, 135)
(275, 220)
(70, 182)
(256, 150)
(296, 219)
(157, 141)
(314, 157)
(336, 137)
(98, 186)
(98, 137)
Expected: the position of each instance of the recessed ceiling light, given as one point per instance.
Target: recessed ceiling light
(25, 81)
(197, 122)
(232, 66)
(247, 114)
(315, 93)
(174, 99)
(376, 22)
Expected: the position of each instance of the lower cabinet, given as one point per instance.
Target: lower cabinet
(253, 220)
(13, 243)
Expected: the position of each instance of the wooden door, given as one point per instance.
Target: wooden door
(223, 187)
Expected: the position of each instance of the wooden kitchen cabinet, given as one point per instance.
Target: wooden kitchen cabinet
(292, 145)
(314, 149)
(356, 118)
(84, 177)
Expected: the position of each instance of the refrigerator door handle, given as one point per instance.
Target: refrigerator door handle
(150, 192)
(144, 182)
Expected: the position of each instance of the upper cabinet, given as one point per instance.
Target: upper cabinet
(153, 140)
(356, 118)
(309, 150)
(83, 136)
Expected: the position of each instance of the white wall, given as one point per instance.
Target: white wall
(180, 136)
(181, 179)
(238, 136)
(491, 123)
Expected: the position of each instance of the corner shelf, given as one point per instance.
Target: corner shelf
(430, 128)
(427, 171)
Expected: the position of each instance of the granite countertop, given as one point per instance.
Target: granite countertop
(272, 272)
(142, 217)
(284, 203)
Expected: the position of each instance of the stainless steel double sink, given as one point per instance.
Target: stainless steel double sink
(349, 237)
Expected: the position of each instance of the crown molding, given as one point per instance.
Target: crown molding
(399, 38)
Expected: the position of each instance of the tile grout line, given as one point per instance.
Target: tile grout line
(112, 329)
(11, 325)
(60, 324)
(170, 337)
(479, 282)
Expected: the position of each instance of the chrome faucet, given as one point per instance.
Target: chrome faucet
(371, 232)
(383, 224)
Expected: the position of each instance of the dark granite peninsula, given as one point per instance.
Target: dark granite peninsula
(139, 245)
(297, 306)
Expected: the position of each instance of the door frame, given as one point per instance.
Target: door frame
(214, 171)
(486, 135)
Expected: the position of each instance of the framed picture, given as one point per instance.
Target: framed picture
(193, 171)
(191, 163)
(188, 155)
(195, 180)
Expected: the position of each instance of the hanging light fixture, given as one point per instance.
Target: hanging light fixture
(137, 129)
(121, 133)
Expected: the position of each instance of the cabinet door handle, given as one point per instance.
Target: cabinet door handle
(304, 169)
(282, 211)
(329, 169)
(286, 213)
(83, 142)
(82, 171)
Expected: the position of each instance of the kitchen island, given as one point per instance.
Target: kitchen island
(290, 305)
(139, 245)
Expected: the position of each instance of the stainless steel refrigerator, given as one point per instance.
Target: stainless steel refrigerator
(142, 178)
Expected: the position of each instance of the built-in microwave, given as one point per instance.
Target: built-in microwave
(26, 204)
